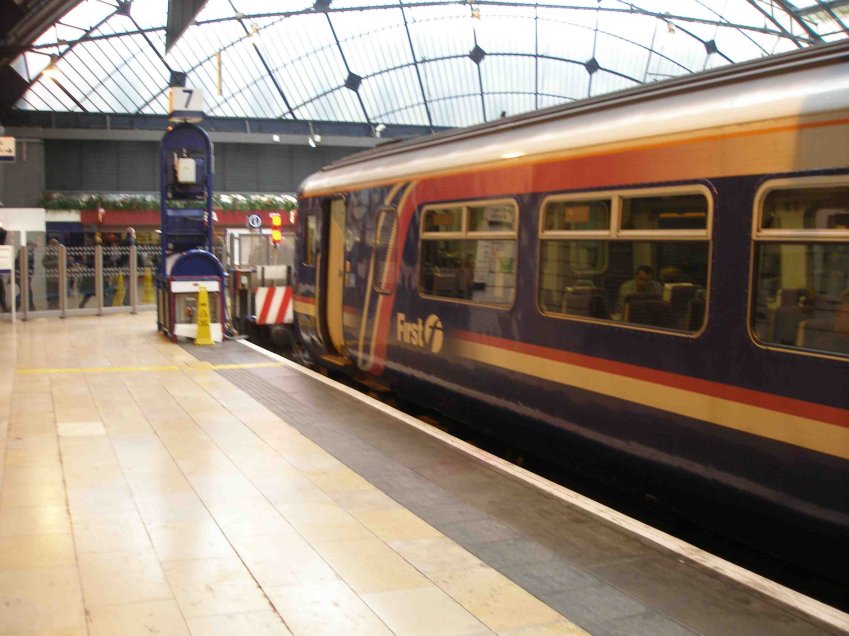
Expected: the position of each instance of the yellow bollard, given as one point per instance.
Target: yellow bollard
(118, 298)
(204, 336)
(148, 297)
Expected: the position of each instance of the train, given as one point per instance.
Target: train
(657, 279)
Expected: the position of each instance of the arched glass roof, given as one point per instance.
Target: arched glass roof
(423, 63)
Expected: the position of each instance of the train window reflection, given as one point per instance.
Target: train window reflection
(385, 250)
(494, 217)
(676, 212)
(825, 208)
(655, 283)
(577, 215)
(800, 295)
(311, 250)
(443, 220)
(478, 266)
(593, 267)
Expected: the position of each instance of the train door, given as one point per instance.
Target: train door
(335, 277)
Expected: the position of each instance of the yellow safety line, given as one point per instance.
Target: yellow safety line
(192, 365)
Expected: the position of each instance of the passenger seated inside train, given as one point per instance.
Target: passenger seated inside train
(642, 283)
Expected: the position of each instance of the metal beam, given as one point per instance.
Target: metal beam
(791, 11)
(833, 4)
(825, 7)
(267, 68)
(425, 99)
(181, 13)
(347, 68)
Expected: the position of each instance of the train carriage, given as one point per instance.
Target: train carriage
(658, 277)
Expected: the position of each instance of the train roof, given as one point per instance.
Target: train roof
(810, 81)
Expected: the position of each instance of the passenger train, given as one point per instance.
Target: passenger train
(658, 278)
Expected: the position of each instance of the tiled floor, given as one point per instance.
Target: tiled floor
(144, 493)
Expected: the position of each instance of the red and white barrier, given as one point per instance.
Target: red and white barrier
(274, 305)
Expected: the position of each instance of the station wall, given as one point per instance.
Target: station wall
(103, 166)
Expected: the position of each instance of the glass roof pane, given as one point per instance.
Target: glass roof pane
(604, 82)
(449, 78)
(566, 41)
(467, 110)
(202, 44)
(394, 91)
(612, 53)
(340, 105)
(150, 13)
(563, 80)
(506, 74)
(505, 29)
(508, 104)
(215, 9)
(311, 76)
(438, 32)
(120, 70)
(415, 115)
(372, 45)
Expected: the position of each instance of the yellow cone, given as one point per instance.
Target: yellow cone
(204, 336)
(118, 298)
(147, 288)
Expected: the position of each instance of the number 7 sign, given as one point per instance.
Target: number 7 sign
(185, 104)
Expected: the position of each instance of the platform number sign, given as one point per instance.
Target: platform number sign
(254, 221)
(185, 104)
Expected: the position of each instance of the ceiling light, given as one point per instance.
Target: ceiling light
(378, 130)
(254, 36)
(275, 137)
(311, 141)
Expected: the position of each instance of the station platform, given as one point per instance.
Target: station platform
(153, 488)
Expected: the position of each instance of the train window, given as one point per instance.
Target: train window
(824, 208)
(674, 212)
(593, 266)
(385, 250)
(311, 248)
(577, 215)
(800, 295)
(448, 219)
(479, 263)
(496, 217)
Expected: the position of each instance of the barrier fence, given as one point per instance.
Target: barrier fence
(65, 281)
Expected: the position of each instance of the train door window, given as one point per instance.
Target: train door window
(632, 257)
(385, 250)
(468, 252)
(800, 294)
(311, 241)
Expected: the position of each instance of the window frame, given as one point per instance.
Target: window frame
(615, 233)
(796, 236)
(465, 234)
(392, 249)
(311, 258)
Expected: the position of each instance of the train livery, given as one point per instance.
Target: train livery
(657, 277)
